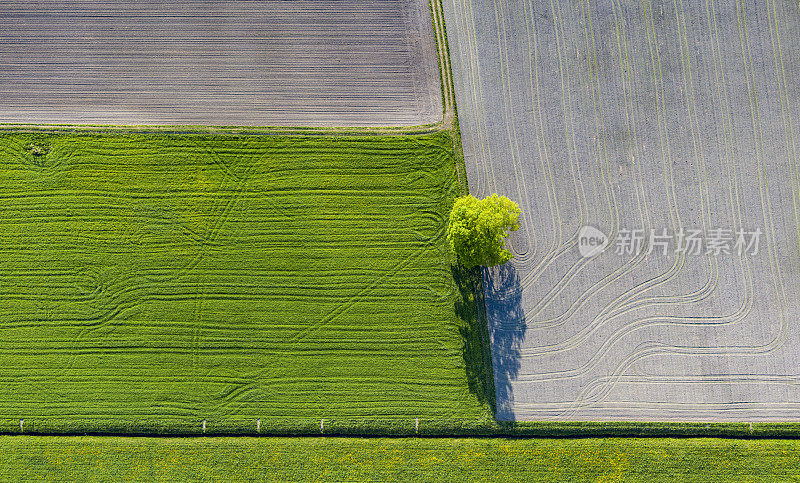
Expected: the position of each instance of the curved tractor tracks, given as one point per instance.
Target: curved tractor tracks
(674, 115)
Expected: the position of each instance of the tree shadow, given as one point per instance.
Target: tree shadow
(492, 332)
(506, 327)
(470, 308)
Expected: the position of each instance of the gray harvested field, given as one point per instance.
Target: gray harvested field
(638, 115)
(273, 62)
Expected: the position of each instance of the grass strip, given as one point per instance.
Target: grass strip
(382, 459)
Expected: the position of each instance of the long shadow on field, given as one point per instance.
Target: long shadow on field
(477, 356)
(506, 328)
(485, 349)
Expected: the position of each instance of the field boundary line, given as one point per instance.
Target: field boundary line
(417, 428)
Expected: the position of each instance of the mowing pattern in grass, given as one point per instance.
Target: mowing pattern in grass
(653, 115)
(337, 459)
(171, 279)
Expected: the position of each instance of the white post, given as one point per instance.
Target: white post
(21, 421)
(322, 425)
(258, 425)
(204, 425)
(416, 425)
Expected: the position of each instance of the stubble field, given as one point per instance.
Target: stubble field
(667, 116)
(266, 63)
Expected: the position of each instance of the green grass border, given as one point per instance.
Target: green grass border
(88, 458)
(425, 428)
(226, 130)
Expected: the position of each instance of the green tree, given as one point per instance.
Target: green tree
(478, 229)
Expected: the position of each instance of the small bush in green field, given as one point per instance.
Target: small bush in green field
(38, 149)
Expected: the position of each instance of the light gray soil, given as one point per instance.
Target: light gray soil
(264, 63)
(637, 115)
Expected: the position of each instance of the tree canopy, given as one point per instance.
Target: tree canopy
(478, 229)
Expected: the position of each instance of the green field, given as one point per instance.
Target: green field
(382, 459)
(153, 281)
